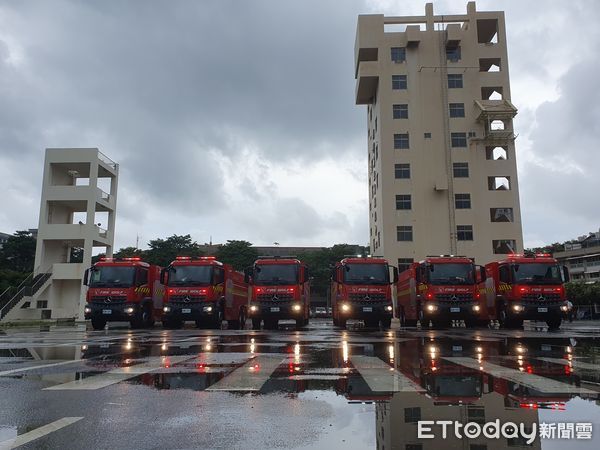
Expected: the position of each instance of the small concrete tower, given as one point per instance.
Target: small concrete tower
(77, 214)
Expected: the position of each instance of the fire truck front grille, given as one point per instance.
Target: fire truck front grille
(454, 297)
(274, 297)
(109, 299)
(545, 298)
(367, 297)
(187, 298)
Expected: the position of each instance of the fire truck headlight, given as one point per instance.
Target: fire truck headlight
(129, 310)
(476, 308)
(388, 308)
(87, 310)
(345, 307)
(253, 308)
(297, 307)
(431, 308)
(564, 308)
(167, 309)
(518, 308)
(207, 309)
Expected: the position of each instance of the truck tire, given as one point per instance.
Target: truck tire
(342, 323)
(256, 324)
(172, 324)
(242, 319)
(300, 323)
(441, 324)
(335, 322)
(386, 323)
(554, 323)
(98, 323)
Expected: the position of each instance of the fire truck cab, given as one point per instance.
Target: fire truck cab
(361, 288)
(203, 290)
(441, 289)
(522, 288)
(279, 290)
(123, 289)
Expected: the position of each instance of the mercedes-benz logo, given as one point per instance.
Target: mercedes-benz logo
(367, 298)
(275, 298)
(454, 298)
(541, 297)
(187, 299)
(107, 300)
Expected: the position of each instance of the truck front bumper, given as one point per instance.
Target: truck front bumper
(116, 312)
(190, 311)
(532, 310)
(279, 310)
(434, 310)
(365, 310)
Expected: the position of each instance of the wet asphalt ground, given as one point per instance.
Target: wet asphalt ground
(320, 387)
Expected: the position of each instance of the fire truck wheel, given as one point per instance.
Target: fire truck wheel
(306, 321)
(300, 323)
(172, 324)
(256, 324)
(342, 323)
(242, 320)
(386, 323)
(554, 323)
(98, 323)
(335, 322)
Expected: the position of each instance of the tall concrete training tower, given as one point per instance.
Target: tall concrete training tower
(77, 215)
(442, 164)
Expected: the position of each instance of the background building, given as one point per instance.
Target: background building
(442, 167)
(582, 258)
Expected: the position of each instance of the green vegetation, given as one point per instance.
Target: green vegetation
(583, 294)
(16, 259)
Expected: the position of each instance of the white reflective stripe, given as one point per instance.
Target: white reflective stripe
(249, 377)
(39, 432)
(381, 378)
(575, 363)
(41, 366)
(539, 383)
(120, 374)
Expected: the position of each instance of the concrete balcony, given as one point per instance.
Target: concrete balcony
(495, 110)
(367, 80)
(67, 271)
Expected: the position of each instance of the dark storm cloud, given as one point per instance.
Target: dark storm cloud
(161, 87)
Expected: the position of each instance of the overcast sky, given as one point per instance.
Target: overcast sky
(236, 119)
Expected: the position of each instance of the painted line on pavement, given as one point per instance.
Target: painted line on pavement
(120, 374)
(537, 382)
(381, 378)
(38, 432)
(249, 377)
(41, 366)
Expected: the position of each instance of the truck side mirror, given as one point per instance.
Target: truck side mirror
(394, 275)
(418, 274)
(247, 274)
(163, 276)
(86, 276)
(333, 274)
(306, 274)
(482, 273)
(566, 275)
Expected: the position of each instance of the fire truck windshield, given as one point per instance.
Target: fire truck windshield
(190, 275)
(112, 276)
(536, 273)
(366, 274)
(445, 274)
(275, 274)
(456, 386)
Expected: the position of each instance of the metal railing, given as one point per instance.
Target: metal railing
(27, 288)
(106, 160)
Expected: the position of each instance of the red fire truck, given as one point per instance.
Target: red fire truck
(123, 289)
(203, 290)
(279, 290)
(441, 289)
(526, 287)
(361, 289)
